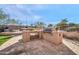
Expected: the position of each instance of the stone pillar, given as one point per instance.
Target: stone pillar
(26, 36)
(40, 34)
(57, 37)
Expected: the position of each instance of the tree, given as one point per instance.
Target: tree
(50, 25)
(63, 24)
(40, 24)
(19, 22)
(73, 25)
(11, 21)
(3, 17)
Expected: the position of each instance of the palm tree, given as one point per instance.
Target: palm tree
(63, 24)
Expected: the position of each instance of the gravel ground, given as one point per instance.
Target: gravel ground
(36, 47)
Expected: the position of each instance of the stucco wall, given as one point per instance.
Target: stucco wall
(54, 37)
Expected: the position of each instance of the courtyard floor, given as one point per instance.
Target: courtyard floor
(37, 47)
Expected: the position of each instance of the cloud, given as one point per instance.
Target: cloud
(23, 12)
(36, 17)
(24, 9)
(28, 9)
(32, 6)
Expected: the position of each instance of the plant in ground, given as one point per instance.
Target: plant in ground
(3, 39)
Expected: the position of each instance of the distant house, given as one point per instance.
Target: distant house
(72, 29)
(11, 27)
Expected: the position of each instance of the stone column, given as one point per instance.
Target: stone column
(57, 37)
(26, 36)
(40, 34)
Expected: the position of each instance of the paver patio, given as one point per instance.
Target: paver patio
(37, 47)
(74, 46)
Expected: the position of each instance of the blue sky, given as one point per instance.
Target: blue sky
(47, 13)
